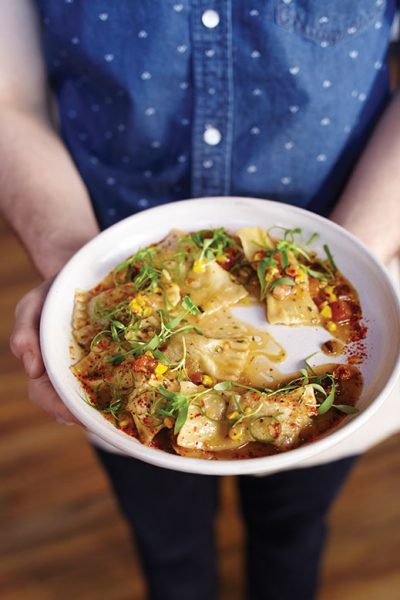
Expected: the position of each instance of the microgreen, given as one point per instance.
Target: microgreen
(176, 407)
(308, 364)
(262, 267)
(212, 243)
(317, 274)
(144, 255)
(225, 386)
(312, 238)
(330, 257)
(329, 400)
(282, 281)
(167, 330)
(114, 408)
(189, 306)
(283, 249)
(161, 356)
(181, 364)
(270, 420)
(347, 409)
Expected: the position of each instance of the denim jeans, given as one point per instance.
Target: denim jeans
(172, 517)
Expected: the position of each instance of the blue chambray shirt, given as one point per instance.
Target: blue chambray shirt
(161, 100)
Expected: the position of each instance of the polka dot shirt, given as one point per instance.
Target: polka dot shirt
(168, 100)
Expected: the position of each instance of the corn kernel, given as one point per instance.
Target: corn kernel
(124, 422)
(165, 276)
(233, 415)
(248, 410)
(235, 434)
(148, 353)
(326, 312)
(331, 326)
(168, 422)
(222, 259)
(134, 306)
(271, 273)
(259, 255)
(329, 289)
(324, 303)
(160, 370)
(139, 306)
(300, 277)
(332, 297)
(198, 266)
(207, 380)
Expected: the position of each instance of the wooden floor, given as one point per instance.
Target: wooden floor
(62, 537)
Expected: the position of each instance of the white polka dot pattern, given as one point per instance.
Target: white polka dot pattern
(207, 100)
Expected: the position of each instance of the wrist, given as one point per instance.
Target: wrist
(384, 247)
(56, 249)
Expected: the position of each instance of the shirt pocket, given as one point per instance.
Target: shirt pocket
(327, 21)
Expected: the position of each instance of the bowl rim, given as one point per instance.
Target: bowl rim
(136, 449)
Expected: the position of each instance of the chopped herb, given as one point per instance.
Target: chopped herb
(114, 408)
(212, 242)
(329, 400)
(189, 306)
(262, 267)
(282, 281)
(176, 407)
(330, 257)
(312, 239)
(346, 408)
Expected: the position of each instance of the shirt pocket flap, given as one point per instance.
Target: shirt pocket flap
(327, 22)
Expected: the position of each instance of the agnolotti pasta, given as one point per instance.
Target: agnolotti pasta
(211, 287)
(163, 357)
(222, 358)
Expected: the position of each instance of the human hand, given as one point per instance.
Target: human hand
(24, 343)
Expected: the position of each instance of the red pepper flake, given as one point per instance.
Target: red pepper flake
(343, 372)
(196, 377)
(128, 429)
(355, 360)
(145, 364)
(231, 256)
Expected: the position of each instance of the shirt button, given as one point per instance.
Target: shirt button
(212, 136)
(210, 18)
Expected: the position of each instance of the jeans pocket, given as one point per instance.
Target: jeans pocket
(327, 22)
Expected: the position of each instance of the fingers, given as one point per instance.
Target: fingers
(24, 343)
(24, 340)
(42, 393)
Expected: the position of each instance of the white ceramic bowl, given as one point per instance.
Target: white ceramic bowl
(378, 298)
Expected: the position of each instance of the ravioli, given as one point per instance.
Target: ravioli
(148, 425)
(297, 308)
(219, 357)
(213, 288)
(164, 359)
(278, 420)
(253, 240)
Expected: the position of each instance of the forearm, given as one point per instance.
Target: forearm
(370, 204)
(42, 194)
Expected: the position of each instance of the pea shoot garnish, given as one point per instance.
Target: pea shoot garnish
(147, 370)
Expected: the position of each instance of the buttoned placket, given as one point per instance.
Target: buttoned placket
(213, 97)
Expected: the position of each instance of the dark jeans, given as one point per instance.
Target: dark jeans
(172, 517)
